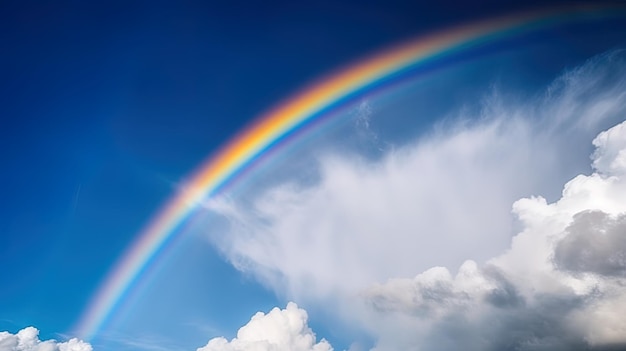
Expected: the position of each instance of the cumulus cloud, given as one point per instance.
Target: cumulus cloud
(559, 287)
(27, 339)
(278, 330)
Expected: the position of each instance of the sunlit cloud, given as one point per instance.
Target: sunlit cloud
(27, 339)
(278, 330)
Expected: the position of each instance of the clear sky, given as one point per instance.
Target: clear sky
(108, 107)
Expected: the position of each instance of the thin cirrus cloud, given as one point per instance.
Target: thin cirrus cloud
(358, 236)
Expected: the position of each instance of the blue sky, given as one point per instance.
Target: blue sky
(107, 107)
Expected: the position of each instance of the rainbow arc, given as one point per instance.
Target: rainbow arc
(294, 115)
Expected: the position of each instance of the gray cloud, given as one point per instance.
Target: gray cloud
(479, 309)
(504, 294)
(595, 243)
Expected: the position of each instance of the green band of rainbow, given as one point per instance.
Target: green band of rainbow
(299, 111)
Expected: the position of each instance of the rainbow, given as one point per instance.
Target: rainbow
(287, 119)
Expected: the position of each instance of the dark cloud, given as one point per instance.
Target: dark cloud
(538, 326)
(595, 243)
(495, 319)
(505, 294)
(505, 323)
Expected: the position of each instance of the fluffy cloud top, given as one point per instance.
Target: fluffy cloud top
(27, 339)
(279, 330)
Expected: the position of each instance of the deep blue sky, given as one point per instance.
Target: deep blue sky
(106, 106)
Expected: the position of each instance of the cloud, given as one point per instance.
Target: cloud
(549, 276)
(594, 244)
(278, 330)
(438, 201)
(610, 156)
(560, 286)
(363, 115)
(27, 339)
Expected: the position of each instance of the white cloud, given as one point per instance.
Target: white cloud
(610, 156)
(366, 221)
(559, 287)
(363, 115)
(445, 201)
(27, 339)
(278, 330)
